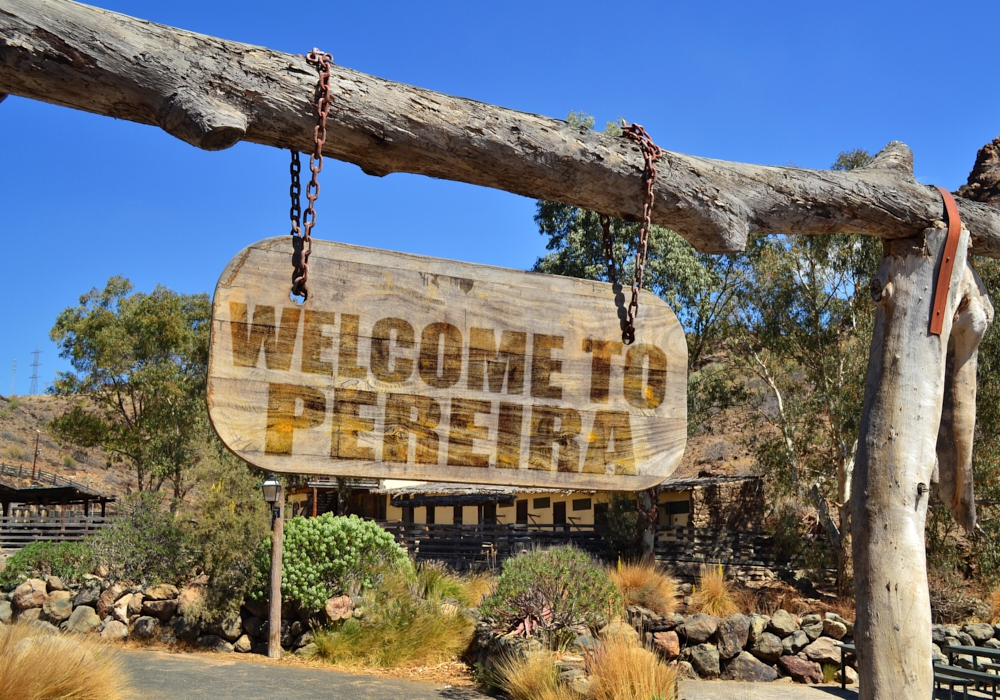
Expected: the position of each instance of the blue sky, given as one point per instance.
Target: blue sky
(84, 197)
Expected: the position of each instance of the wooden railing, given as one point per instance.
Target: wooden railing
(17, 531)
(464, 546)
(41, 477)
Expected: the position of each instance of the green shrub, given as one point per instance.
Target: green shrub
(14, 403)
(14, 452)
(551, 590)
(67, 560)
(327, 555)
(143, 543)
(619, 527)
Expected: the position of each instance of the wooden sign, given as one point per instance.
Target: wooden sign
(407, 367)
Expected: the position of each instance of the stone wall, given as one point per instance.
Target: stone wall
(735, 505)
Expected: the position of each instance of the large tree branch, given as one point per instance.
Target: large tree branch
(213, 93)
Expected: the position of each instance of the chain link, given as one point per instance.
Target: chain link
(302, 244)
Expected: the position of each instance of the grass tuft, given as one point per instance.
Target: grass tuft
(642, 584)
(714, 595)
(531, 677)
(829, 673)
(39, 666)
(622, 670)
(995, 606)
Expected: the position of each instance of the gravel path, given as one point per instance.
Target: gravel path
(729, 690)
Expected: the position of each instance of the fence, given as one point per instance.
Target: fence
(18, 531)
(41, 478)
(698, 545)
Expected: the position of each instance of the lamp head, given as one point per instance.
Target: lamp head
(271, 489)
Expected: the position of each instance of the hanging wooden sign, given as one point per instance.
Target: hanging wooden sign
(408, 367)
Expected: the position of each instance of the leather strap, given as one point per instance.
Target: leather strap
(947, 262)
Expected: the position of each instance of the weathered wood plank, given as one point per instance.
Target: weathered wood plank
(402, 366)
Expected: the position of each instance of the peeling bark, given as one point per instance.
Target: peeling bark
(213, 93)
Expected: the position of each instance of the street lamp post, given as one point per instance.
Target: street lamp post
(275, 497)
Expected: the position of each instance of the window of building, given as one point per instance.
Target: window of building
(430, 515)
(541, 503)
(489, 514)
(581, 504)
(457, 515)
(521, 508)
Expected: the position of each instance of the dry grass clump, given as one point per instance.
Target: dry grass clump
(641, 584)
(714, 594)
(747, 600)
(622, 670)
(531, 677)
(38, 666)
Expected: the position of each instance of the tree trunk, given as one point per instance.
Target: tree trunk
(895, 465)
(213, 93)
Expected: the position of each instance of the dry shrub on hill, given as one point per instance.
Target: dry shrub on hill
(642, 584)
(714, 594)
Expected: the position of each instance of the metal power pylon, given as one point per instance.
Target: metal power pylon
(34, 372)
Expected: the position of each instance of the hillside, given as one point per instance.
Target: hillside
(21, 417)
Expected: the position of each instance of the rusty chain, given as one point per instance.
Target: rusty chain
(302, 243)
(650, 153)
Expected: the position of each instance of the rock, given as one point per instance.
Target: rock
(823, 651)
(800, 670)
(568, 661)
(782, 624)
(686, 670)
(290, 630)
(214, 642)
(582, 687)
(938, 634)
(814, 632)
(303, 639)
(838, 630)
(115, 631)
(89, 593)
(229, 628)
(699, 628)
(106, 603)
(758, 623)
(26, 617)
(120, 609)
(337, 608)
(257, 608)
(587, 643)
(848, 676)
(83, 619)
(55, 584)
(731, 636)
(186, 631)
(162, 609)
(810, 620)
(43, 627)
(30, 594)
(145, 628)
(979, 631)
(163, 591)
(794, 643)
(619, 629)
(705, 660)
(965, 639)
(667, 643)
(768, 648)
(243, 645)
(746, 667)
(189, 599)
(6, 612)
(989, 643)
(58, 607)
(568, 676)
(307, 651)
(253, 625)
(135, 604)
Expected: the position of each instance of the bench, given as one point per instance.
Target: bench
(954, 675)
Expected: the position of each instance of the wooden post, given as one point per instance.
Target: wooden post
(34, 460)
(898, 451)
(274, 599)
(315, 498)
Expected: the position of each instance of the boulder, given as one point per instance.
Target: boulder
(965, 639)
(55, 584)
(336, 608)
(214, 642)
(587, 643)
(810, 620)
(106, 603)
(229, 628)
(782, 624)
(823, 651)
(186, 631)
(979, 631)
(243, 645)
(303, 639)
(667, 643)
(800, 670)
(621, 630)
(258, 608)
(794, 643)
(83, 619)
(768, 648)
(89, 593)
(847, 676)
(162, 609)
(43, 627)
(814, 632)
(189, 600)
(938, 634)
(135, 604)
(58, 607)
(146, 628)
(838, 630)
(745, 667)
(253, 624)
(115, 631)
(307, 651)
(290, 630)
(758, 624)
(686, 670)
(163, 591)
(26, 617)
(989, 643)
(583, 687)
(120, 609)
(705, 660)
(699, 628)
(731, 636)
(6, 612)
(30, 594)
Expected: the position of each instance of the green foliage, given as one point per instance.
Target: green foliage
(67, 560)
(140, 360)
(403, 622)
(14, 452)
(619, 527)
(325, 556)
(143, 544)
(227, 521)
(68, 461)
(14, 403)
(549, 591)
